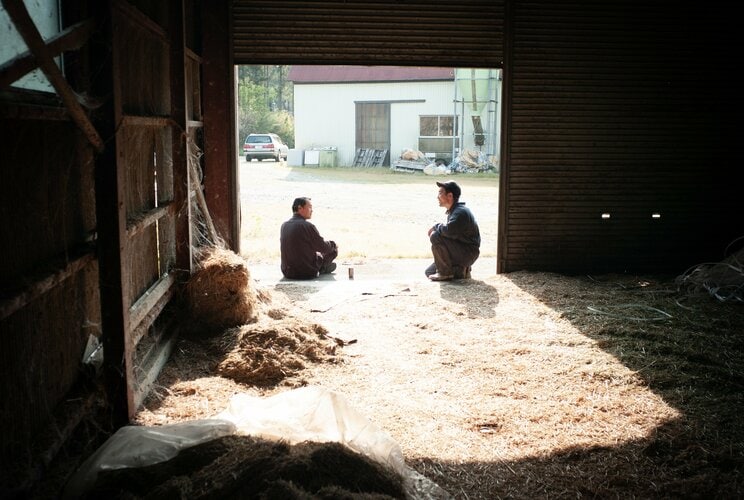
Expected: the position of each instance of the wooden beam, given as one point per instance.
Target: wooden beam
(110, 215)
(146, 303)
(43, 284)
(160, 357)
(193, 55)
(149, 318)
(146, 121)
(135, 226)
(72, 38)
(221, 183)
(26, 27)
(180, 154)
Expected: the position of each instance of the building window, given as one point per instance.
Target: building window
(45, 15)
(438, 137)
(437, 126)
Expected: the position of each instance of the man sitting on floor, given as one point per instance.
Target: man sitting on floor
(305, 253)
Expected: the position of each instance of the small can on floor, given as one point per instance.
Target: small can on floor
(351, 273)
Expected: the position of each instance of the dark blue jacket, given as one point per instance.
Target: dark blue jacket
(460, 226)
(299, 240)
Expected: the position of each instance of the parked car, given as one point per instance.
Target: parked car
(265, 146)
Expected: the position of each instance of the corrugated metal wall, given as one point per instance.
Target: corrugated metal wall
(466, 33)
(619, 109)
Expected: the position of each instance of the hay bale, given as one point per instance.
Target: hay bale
(219, 294)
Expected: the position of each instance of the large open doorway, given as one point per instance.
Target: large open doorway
(367, 144)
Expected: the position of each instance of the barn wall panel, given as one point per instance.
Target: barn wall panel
(617, 108)
(49, 300)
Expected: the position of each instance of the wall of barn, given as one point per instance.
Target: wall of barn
(463, 34)
(619, 122)
(620, 146)
(49, 307)
(96, 234)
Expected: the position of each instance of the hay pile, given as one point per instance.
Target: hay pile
(219, 294)
(235, 330)
(249, 467)
(273, 350)
(258, 349)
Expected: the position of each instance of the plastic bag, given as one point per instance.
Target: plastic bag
(137, 446)
(304, 414)
(312, 414)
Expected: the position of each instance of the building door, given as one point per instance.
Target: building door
(373, 127)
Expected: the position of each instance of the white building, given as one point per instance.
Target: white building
(391, 108)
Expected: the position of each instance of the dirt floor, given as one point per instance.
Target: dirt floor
(523, 385)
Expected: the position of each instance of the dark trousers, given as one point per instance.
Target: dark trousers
(451, 257)
(321, 265)
(324, 261)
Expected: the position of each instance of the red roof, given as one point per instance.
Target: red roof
(337, 74)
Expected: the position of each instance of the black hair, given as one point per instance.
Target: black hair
(299, 202)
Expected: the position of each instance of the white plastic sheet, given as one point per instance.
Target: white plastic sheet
(312, 414)
(136, 446)
(305, 414)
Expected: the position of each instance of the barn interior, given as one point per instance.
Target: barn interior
(620, 153)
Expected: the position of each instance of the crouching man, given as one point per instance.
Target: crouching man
(455, 244)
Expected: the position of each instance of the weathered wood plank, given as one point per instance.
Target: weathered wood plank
(110, 213)
(181, 88)
(135, 226)
(146, 121)
(148, 303)
(218, 106)
(152, 371)
(43, 284)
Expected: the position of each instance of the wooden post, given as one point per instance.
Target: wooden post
(220, 139)
(111, 223)
(181, 171)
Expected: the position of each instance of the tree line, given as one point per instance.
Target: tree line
(265, 102)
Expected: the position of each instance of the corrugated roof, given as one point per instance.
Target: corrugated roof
(335, 74)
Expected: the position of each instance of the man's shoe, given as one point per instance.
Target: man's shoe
(461, 273)
(328, 269)
(441, 277)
